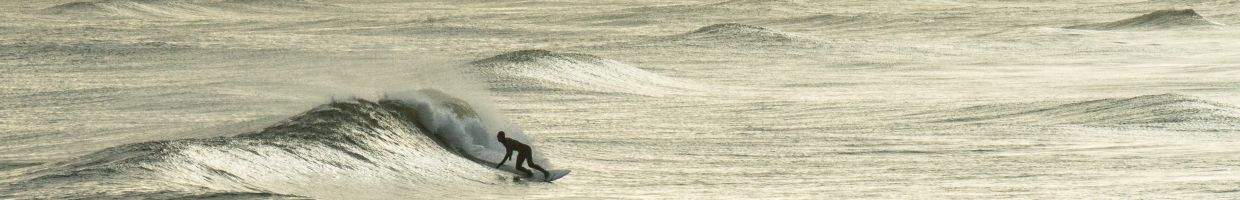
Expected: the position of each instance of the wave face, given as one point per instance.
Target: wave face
(1162, 19)
(416, 143)
(542, 70)
(178, 8)
(1165, 111)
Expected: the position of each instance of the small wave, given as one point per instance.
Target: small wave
(736, 35)
(550, 71)
(128, 8)
(761, 7)
(738, 32)
(760, 4)
(178, 8)
(822, 20)
(16, 165)
(1162, 19)
(1164, 111)
(710, 11)
(277, 4)
(423, 143)
(429, 30)
(79, 52)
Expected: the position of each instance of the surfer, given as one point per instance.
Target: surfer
(523, 155)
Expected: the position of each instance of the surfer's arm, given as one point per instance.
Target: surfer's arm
(506, 155)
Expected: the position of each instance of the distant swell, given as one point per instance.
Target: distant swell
(823, 20)
(1162, 19)
(543, 70)
(738, 32)
(418, 143)
(1165, 111)
(179, 8)
(759, 4)
(739, 35)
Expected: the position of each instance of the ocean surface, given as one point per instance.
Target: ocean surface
(716, 99)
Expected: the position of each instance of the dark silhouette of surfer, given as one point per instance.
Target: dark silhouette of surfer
(523, 156)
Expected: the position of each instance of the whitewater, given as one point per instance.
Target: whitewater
(709, 99)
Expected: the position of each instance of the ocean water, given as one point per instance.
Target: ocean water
(739, 99)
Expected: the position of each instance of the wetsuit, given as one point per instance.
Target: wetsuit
(523, 157)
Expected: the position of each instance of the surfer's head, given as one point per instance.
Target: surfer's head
(500, 134)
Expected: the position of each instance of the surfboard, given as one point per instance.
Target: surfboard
(538, 176)
(555, 174)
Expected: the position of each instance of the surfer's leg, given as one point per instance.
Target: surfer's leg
(521, 159)
(527, 172)
(546, 176)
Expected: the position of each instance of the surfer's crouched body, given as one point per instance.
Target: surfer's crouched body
(523, 156)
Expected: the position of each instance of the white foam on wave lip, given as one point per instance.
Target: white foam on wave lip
(546, 70)
(467, 128)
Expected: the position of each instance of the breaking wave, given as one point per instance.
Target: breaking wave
(424, 143)
(1164, 111)
(543, 70)
(1162, 19)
